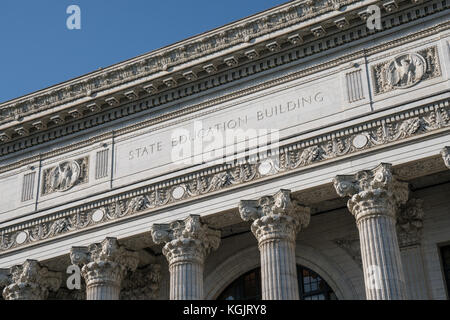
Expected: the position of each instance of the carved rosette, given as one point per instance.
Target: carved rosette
(372, 192)
(187, 240)
(446, 156)
(29, 281)
(105, 263)
(275, 217)
(410, 223)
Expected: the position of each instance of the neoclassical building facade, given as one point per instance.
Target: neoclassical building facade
(299, 153)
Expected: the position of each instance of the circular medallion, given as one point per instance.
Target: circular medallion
(265, 168)
(98, 214)
(178, 192)
(360, 141)
(21, 237)
(405, 70)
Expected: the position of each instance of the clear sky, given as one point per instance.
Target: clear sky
(37, 50)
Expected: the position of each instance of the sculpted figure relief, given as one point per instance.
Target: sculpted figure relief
(406, 70)
(64, 176)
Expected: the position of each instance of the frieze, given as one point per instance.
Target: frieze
(127, 109)
(163, 59)
(65, 176)
(406, 70)
(334, 145)
(167, 96)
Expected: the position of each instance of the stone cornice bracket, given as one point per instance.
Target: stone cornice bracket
(29, 281)
(104, 263)
(372, 192)
(446, 156)
(187, 240)
(275, 217)
(410, 223)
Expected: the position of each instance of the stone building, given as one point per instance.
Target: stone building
(299, 153)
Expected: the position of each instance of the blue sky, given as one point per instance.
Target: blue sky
(37, 50)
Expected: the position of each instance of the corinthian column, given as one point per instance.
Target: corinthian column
(277, 220)
(105, 265)
(187, 244)
(29, 281)
(446, 155)
(375, 196)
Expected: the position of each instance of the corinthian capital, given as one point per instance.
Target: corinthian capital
(372, 192)
(105, 262)
(186, 240)
(29, 281)
(446, 155)
(277, 216)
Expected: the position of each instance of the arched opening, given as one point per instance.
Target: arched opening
(311, 286)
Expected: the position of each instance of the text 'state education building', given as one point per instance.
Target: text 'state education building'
(114, 171)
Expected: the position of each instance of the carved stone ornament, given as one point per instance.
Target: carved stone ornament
(277, 216)
(142, 284)
(104, 263)
(372, 192)
(65, 175)
(352, 246)
(406, 70)
(312, 151)
(410, 223)
(186, 240)
(446, 156)
(130, 71)
(29, 281)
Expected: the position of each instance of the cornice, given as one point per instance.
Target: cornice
(130, 109)
(402, 127)
(92, 104)
(242, 31)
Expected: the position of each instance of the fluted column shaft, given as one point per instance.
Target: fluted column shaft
(278, 270)
(383, 276)
(186, 280)
(277, 220)
(102, 292)
(187, 244)
(375, 196)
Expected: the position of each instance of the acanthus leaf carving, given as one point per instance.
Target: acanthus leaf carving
(104, 262)
(29, 281)
(186, 240)
(277, 216)
(410, 222)
(372, 191)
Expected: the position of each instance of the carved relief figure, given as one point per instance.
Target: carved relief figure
(406, 70)
(65, 175)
